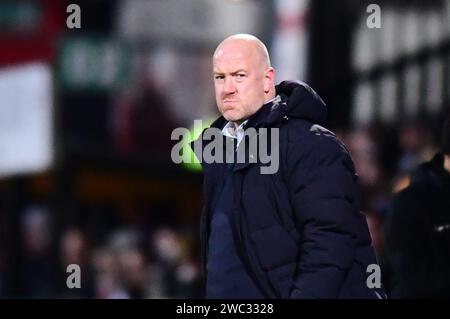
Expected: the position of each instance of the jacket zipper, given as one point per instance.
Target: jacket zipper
(243, 248)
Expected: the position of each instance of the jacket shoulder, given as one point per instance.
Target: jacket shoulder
(305, 136)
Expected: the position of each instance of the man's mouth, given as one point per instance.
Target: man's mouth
(230, 101)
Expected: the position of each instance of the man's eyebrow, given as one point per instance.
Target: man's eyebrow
(232, 73)
(238, 71)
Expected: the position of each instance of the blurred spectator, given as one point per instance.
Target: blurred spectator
(37, 269)
(74, 250)
(132, 268)
(142, 122)
(175, 273)
(414, 144)
(417, 231)
(364, 152)
(107, 280)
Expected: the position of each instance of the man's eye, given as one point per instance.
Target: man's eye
(219, 77)
(240, 75)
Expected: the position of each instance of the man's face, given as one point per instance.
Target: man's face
(238, 81)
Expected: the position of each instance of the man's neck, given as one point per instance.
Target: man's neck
(237, 123)
(447, 163)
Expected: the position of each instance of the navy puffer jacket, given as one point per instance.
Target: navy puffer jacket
(301, 233)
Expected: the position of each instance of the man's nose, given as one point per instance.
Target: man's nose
(229, 86)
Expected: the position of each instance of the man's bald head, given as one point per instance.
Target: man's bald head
(243, 77)
(247, 42)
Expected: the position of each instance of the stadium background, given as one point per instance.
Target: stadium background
(86, 116)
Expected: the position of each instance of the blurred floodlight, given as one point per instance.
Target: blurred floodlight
(434, 85)
(365, 46)
(363, 106)
(434, 27)
(412, 26)
(412, 78)
(389, 35)
(388, 98)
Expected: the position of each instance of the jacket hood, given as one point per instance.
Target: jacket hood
(302, 102)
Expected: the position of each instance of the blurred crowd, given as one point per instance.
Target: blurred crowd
(384, 158)
(121, 262)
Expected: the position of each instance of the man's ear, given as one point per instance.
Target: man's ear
(269, 79)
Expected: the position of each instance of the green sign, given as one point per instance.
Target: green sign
(20, 16)
(92, 63)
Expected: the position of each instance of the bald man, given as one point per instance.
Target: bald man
(296, 233)
(243, 77)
